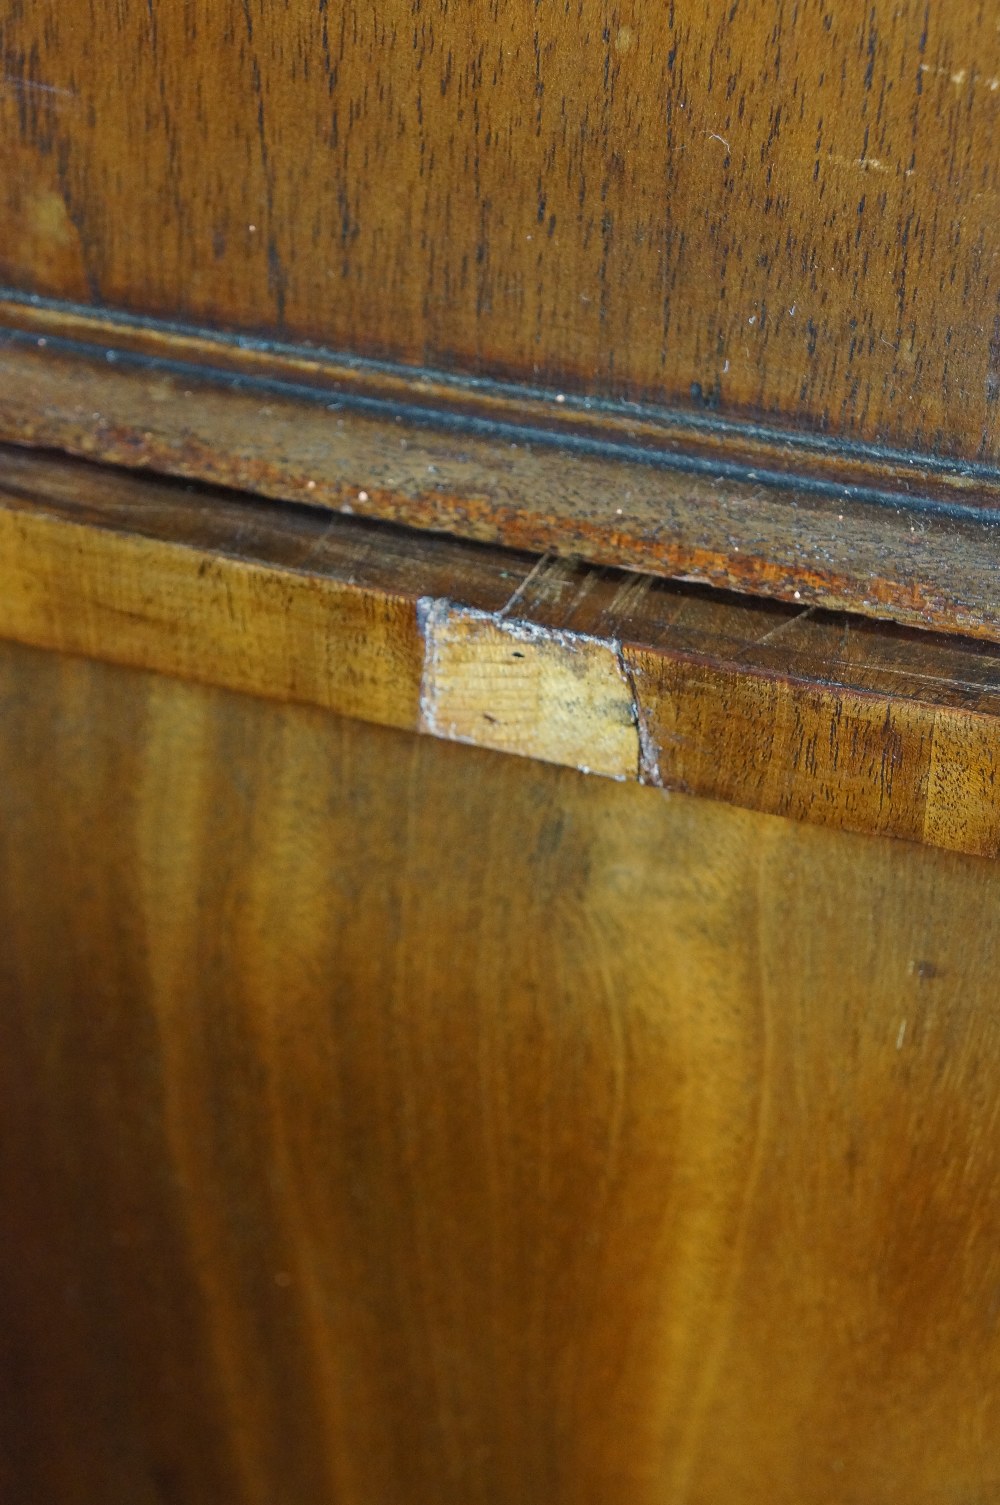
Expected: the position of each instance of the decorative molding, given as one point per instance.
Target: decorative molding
(801, 517)
(690, 442)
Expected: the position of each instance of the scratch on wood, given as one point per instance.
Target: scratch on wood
(629, 596)
(31, 86)
(772, 633)
(648, 770)
(545, 581)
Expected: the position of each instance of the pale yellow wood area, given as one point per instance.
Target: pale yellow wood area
(563, 697)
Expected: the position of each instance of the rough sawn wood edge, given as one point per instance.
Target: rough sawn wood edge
(786, 710)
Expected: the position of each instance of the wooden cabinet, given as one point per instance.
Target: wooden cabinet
(499, 752)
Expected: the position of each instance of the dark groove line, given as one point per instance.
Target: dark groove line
(443, 419)
(710, 424)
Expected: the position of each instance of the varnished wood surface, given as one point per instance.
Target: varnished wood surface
(161, 356)
(923, 550)
(387, 1122)
(825, 717)
(786, 213)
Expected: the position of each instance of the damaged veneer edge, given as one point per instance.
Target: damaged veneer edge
(786, 710)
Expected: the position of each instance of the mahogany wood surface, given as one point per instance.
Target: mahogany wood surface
(826, 717)
(782, 211)
(384, 1121)
(711, 294)
(911, 540)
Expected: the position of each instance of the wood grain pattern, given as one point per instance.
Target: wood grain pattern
(923, 551)
(510, 684)
(388, 1122)
(788, 213)
(827, 718)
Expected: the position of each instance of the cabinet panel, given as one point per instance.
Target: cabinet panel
(390, 1121)
(768, 210)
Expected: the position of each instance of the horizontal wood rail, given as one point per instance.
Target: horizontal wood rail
(793, 516)
(784, 709)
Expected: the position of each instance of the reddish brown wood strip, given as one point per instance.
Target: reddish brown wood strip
(885, 558)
